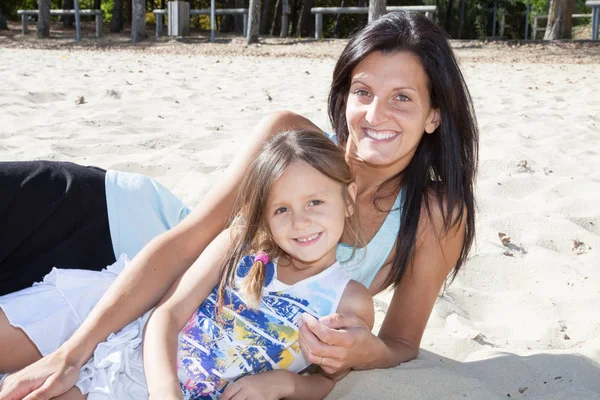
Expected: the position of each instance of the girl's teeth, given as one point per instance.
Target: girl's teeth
(379, 136)
(308, 239)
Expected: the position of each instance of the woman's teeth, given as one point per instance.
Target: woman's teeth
(383, 135)
(308, 238)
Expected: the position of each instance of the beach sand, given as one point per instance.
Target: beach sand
(522, 318)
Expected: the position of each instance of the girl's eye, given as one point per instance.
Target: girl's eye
(280, 210)
(315, 202)
(402, 97)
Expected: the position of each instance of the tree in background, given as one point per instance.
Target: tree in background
(43, 23)
(3, 25)
(116, 25)
(560, 22)
(253, 21)
(138, 20)
(376, 9)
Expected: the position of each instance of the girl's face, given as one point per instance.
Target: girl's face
(306, 213)
(388, 109)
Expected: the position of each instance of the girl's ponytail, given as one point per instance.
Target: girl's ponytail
(254, 282)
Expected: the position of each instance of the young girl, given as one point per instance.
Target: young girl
(247, 291)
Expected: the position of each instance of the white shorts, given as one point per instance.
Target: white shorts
(116, 370)
(50, 311)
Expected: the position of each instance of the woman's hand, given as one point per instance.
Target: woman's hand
(336, 342)
(45, 379)
(272, 385)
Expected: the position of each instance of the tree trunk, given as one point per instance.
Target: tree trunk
(449, 15)
(227, 20)
(461, 18)
(97, 4)
(336, 27)
(3, 25)
(253, 21)
(264, 17)
(129, 10)
(43, 23)
(138, 22)
(559, 19)
(306, 21)
(68, 19)
(276, 18)
(116, 25)
(376, 9)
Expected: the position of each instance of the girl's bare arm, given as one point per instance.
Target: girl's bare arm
(171, 315)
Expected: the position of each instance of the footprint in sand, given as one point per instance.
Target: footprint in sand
(43, 97)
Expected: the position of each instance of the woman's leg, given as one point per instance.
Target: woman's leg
(52, 214)
(17, 350)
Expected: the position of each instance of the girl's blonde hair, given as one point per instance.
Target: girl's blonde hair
(251, 233)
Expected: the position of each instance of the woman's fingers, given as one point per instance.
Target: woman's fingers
(342, 321)
(331, 336)
(317, 352)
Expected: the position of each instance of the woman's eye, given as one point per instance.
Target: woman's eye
(361, 92)
(402, 97)
(280, 210)
(315, 202)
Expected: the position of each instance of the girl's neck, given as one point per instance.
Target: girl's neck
(291, 271)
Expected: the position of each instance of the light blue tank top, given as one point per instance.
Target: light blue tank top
(139, 209)
(368, 260)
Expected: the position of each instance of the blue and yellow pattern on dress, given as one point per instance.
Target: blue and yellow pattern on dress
(214, 352)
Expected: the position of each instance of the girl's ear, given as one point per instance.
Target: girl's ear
(433, 121)
(352, 191)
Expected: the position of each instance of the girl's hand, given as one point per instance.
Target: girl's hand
(45, 379)
(272, 385)
(335, 342)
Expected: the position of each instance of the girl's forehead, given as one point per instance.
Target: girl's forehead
(301, 179)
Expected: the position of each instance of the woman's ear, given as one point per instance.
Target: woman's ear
(433, 121)
(352, 191)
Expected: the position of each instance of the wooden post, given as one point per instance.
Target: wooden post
(318, 26)
(24, 23)
(98, 23)
(245, 26)
(77, 22)
(212, 20)
(159, 24)
(595, 17)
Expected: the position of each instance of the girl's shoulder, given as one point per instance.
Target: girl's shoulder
(357, 301)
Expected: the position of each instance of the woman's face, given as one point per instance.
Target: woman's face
(388, 109)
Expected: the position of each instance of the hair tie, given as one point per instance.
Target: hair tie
(261, 256)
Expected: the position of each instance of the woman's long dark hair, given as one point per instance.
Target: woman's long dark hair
(445, 162)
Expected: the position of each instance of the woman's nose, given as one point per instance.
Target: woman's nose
(376, 112)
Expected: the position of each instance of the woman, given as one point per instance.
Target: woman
(402, 112)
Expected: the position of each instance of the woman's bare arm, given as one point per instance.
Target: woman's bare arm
(149, 275)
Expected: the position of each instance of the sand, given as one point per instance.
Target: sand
(521, 320)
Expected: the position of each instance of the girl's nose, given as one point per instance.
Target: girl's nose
(301, 220)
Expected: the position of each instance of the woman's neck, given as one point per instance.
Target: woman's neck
(369, 178)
